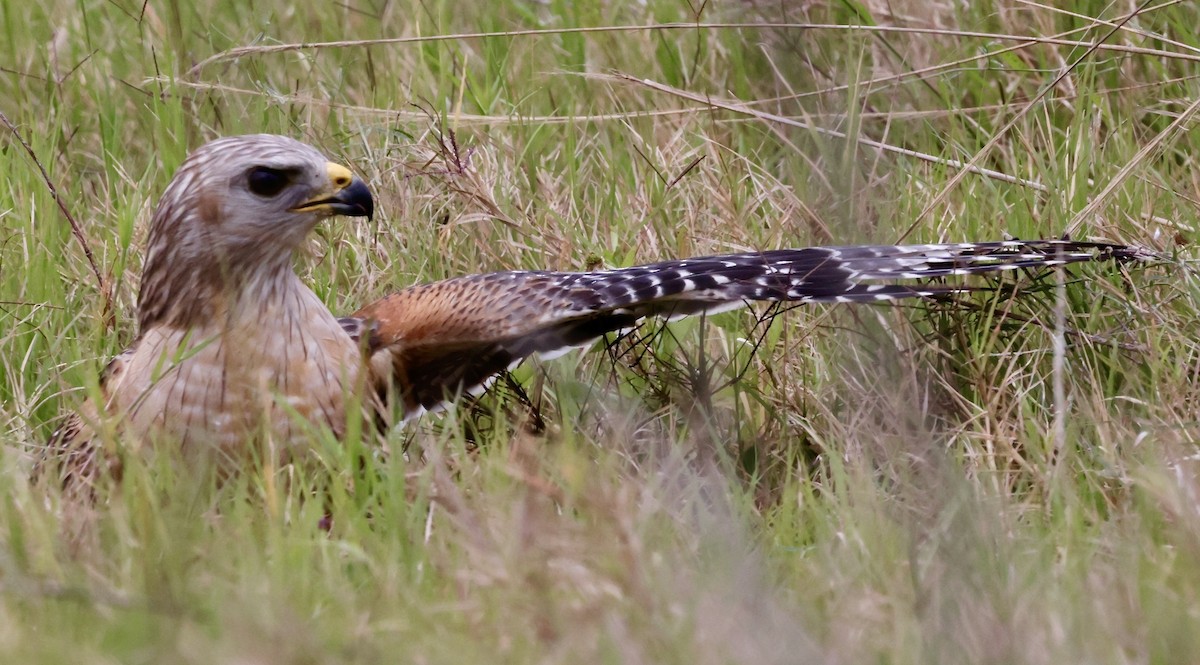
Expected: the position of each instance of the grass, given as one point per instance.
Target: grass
(927, 483)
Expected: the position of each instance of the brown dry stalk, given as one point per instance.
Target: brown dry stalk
(1130, 29)
(461, 118)
(1122, 175)
(243, 51)
(738, 107)
(873, 84)
(1003, 131)
(76, 229)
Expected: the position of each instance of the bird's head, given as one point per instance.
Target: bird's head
(236, 211)
(244, 192)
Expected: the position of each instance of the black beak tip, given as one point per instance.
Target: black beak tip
(356, 201)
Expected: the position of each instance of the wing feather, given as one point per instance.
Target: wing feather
(75, 456)
(432, 342)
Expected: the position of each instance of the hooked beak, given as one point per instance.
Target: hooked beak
(349, 197)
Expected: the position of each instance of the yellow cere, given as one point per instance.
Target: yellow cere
(340, 176)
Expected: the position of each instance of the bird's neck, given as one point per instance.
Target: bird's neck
(212, 294)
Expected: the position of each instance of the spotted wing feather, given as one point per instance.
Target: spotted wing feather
(433, 341)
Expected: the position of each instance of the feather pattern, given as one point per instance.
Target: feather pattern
(434, 341)
(233, 349)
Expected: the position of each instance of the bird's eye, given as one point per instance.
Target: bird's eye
(266, 182)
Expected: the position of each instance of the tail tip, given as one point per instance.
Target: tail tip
(1131, 253)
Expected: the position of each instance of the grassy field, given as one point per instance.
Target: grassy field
(916, 484)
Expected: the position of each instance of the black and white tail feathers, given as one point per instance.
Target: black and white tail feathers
(862, 273)
(432, 341)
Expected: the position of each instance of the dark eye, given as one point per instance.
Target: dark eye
(266, 182)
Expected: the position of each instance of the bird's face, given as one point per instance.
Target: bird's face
(231, 219)
(245, 197)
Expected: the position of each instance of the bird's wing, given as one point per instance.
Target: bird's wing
(74, 455)
(431, 342)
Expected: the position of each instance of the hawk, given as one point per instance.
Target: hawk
(232, 346)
